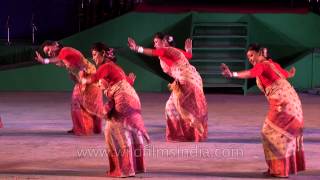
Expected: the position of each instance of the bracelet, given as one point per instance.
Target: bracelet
(234, 74)
(46, 61)
(140, 49)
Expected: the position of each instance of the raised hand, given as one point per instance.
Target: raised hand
(131, 78)
(39, 58)
(188, 45)
(291, 72)
(225, 71)
(132, 44)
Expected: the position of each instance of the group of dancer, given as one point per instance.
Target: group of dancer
(104, 92)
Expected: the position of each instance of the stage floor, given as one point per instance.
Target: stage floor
(34, 143)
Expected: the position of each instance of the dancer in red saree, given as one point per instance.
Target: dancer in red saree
(124, 130)
(186, 110)
(86, 100)
(282, 135)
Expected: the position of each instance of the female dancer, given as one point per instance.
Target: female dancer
(186, 110)
(124, 130)
(282, 130)
(86, 100)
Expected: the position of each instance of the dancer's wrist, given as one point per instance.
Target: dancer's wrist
(139, 49)
(235, 74)
(46, 61)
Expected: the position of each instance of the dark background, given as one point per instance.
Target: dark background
(54, 19)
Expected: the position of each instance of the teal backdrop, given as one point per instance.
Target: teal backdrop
(291, 39)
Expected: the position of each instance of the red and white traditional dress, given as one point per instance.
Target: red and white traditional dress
(86, 100)
(282, 132)
(124, 130)
(186, 110)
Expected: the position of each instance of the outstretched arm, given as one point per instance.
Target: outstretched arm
(42, 60)
(242, 74)
(139, 49)
(225, 71)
